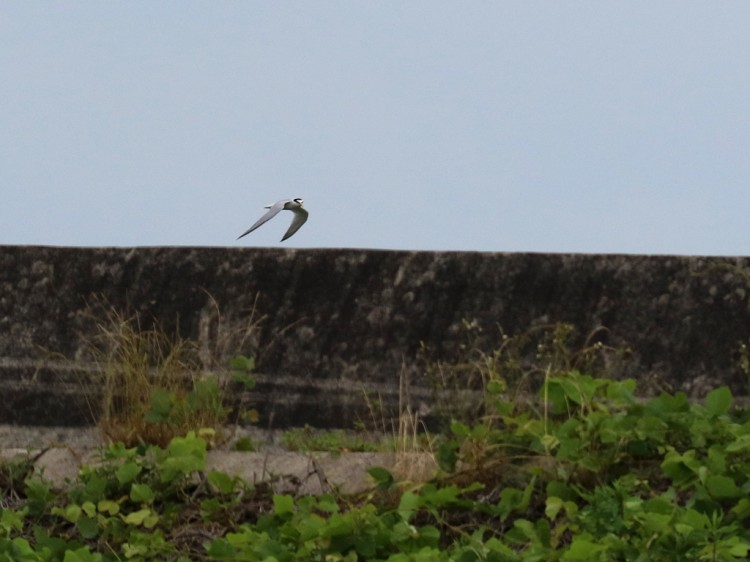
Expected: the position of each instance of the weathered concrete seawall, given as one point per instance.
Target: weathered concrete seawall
(330, 323)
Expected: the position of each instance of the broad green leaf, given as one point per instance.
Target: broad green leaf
(459, 429)
(447, 455)
(220, 549)
(695, 520)
(88, 508)
(495, 386)
(327, 504)
(510, 500)
(185, 455)
(96, 487)
(108, 506)
(88, 527)
(127, 472)
(137, 517)
(242, 363)
(221, 481)
(443, 496)
(742, 509)
(504, 407)
(383, 478)
(310, 527)
(582, 548)
(479, 432)
(543, 532)
(621, 391)
(553, 506)
(668, 404)
(409, 504)
(657, 522)
(142, 493)
(722, 487)
(742, 443)
(244, 379)
(429, 534)
(555, 394)
(735, 546)
(21, 550)
(718, 401)
(82, 555)
(72, 512)
(11, 520)
(132, 550)
(403, 531)
(283, 504)
(151, 521)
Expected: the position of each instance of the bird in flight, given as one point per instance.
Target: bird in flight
(294, 205)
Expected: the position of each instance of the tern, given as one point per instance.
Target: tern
(294, 205)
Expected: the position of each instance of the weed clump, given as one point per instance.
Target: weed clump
(466, 384)
(151, 386)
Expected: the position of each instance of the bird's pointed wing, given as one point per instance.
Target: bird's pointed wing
(300, 216)
(272, 212)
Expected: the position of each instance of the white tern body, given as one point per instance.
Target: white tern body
(294, 205)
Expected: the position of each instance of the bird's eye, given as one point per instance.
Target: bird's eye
(298, 201)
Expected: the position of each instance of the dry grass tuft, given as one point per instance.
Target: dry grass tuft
(152, 387)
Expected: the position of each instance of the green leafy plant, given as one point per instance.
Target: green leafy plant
(588, 473)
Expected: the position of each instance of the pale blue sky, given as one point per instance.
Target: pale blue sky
(601, 126)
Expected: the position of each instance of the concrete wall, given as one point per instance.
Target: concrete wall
(329, 323)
